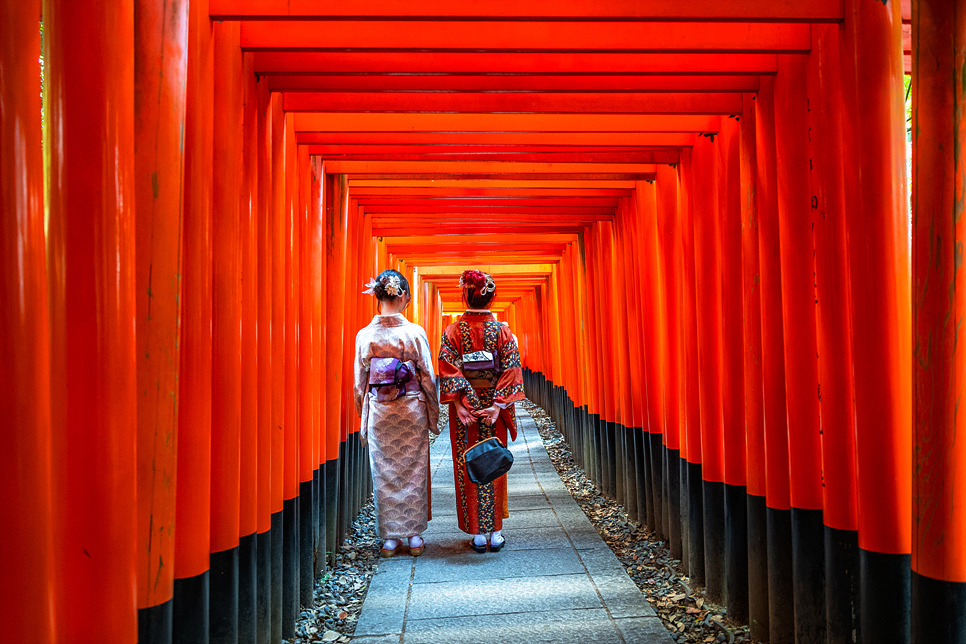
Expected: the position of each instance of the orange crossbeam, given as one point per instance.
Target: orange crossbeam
(502, 82)
(276, 62)
(493, 36)
(703, 10)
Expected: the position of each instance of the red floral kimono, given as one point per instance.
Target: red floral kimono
(480, 509)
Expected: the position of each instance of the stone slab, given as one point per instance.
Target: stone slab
(385, 607)
(455, 562)
(500, 596)
(544, 627)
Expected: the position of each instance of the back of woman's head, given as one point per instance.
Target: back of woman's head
(478, 289)
(388, 286)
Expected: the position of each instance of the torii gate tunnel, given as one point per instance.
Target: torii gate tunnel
(696, 215)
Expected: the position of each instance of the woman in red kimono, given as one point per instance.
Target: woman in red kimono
(483, 404)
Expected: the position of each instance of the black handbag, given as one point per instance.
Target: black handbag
(487, 461)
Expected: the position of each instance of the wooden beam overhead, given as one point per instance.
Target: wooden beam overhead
(491, 36)
(515, 102)
(650, 156)
(349, 122)
(530, 10)
(467, 167)
(503, 82)
(315, 62)
(600, 139)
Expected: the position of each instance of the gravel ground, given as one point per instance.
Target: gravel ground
(683, 609)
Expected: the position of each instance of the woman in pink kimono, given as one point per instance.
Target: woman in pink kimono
(395, 395)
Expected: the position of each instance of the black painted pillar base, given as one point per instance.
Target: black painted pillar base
(344, 497)
(781, 614)
(247, 589)
(155, 623)
(596, 449)
(884, 587)
(632, 492)
(278, 574)
(714, 541)
(290, 566)
(686, 518)
(665, 499)
(190, 618)
(657, 478)
(736, 551)
(648, 490)
(841, 585)
(808, 575)
(695, 524)
(938, 610)
(330, 476)
(757, 567)
(620, 461)
(674, 502)
(640, 455)
(306, 543)
(223, 601)
(263, 583)
(318, 539)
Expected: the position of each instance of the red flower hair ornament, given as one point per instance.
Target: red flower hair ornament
(478, 281)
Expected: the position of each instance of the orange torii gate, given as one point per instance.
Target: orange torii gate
(696, 216)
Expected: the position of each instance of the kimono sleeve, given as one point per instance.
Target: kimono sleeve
(361, 370)
(509, 388)
(427, 379)
(452, 384)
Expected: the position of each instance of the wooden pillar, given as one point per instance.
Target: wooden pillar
(879, 263)
(336, 219)
(28, 601)
(778, 513)
(279, 286)
(707, 271)
(751, 336)
(834, 336)
(290, 484)
(248, 212)
(939, 191)
(193, 510)
(801, 364)
(265, 334)
(692, 506)
(317, 254)
(160, 70)
(225, 334)
(91, 271)
(308, 381)
(732, 372)
(669, 240)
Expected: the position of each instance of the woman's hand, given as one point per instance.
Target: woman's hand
(490, 413)
(463, 413)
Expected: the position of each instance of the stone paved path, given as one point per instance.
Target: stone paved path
(555, 581)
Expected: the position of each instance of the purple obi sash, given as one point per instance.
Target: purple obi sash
(390, 378)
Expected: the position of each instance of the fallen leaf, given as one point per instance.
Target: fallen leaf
(331, 636)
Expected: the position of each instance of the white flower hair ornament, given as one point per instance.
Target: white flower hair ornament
(392, 285)
(489, 287)
(370, 287)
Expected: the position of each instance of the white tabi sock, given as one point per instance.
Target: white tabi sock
(479, 540)
(390, 544)
(496, 538)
